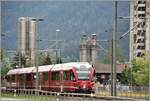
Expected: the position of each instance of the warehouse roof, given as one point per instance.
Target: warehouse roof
(106, 68)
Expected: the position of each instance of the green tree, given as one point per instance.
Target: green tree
(47, 60)
(5, 68)
(137, 74)
(5, 64)
(44, 59)
(140, 71)
(59, 61)
(16, 60)
(2, 54)
(126, 76)
(41, 59)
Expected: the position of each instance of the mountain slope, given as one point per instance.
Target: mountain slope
(72, 17)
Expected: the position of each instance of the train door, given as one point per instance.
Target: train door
(55, 81)
(13, 81)
(49, 80)
(44, 81)
(28, 81)
(68, 81)
(21, 81)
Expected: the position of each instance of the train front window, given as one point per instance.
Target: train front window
(83, 72)
(83, 75)
(72, 76)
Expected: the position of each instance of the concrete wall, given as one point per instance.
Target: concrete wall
(22, 35)
(32, 32)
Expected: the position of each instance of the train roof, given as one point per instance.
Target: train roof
(78, 64)
(68, 66)
(21, 71)
(13, 71)
(46, 68)
(59, 67)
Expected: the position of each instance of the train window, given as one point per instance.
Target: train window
(7, 78)
(83, 75)
(55, 76)
(13, 78)
(21, 77)
(28, 77)
(72, 76)
(46, 76)
(66, 77)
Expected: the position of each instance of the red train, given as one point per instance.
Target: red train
(67, 77)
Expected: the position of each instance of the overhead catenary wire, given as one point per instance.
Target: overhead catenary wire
(122, 36)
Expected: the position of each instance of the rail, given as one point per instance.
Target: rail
(46, 95)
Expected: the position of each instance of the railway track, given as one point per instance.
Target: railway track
(62, 95)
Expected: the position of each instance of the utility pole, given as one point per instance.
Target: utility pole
(20, 58)
(113, 69)
(36, 51)
(57, 30)
(148, 57)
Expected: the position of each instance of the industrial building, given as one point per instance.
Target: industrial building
(88, 48)
(27, 38)
(139, 28)
(103, 71)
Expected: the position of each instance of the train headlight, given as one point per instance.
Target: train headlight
(93, 88)
(84, 86)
